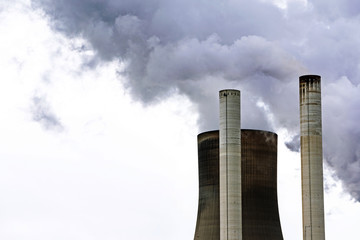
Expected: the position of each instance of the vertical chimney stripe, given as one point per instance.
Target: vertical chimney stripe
(230, 166)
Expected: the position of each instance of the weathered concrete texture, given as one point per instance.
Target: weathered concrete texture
(208, 218)
(260, 217)
(311, 158)
(230, 165)
(259, 186)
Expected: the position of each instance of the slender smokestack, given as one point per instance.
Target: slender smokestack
(230, 166)
(311, 158)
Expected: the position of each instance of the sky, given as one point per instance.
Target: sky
(102, 101)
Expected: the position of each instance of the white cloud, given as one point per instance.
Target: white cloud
(116, 165)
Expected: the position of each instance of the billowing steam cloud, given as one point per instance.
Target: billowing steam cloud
(197, 47)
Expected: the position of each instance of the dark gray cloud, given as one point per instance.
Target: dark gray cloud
(198, 47)
(342, 132)
(171, 45)
(294, 144)
(42, 113)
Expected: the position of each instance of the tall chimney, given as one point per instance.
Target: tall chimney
(230, 166)
(311, 158)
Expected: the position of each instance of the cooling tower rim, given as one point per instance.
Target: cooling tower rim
(245, 130)
(207, 134)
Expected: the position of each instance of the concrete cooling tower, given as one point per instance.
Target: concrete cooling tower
(208, 219)
(260, 215)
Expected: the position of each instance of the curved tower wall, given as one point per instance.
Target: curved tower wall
(230, 165)
(260, 216)
(311, 158)
(208, 218)
(259, 186)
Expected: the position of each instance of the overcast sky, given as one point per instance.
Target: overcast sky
(101, 103)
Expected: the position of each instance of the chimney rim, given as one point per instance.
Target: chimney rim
(309, 77)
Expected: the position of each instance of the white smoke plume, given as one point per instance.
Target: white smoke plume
(198, 47)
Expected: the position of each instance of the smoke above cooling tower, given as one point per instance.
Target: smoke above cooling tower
(197, 47)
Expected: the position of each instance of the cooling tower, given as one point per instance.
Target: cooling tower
(208, 219)
(259, 186)
(230, 165)
(311, 158)
(260, 216)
